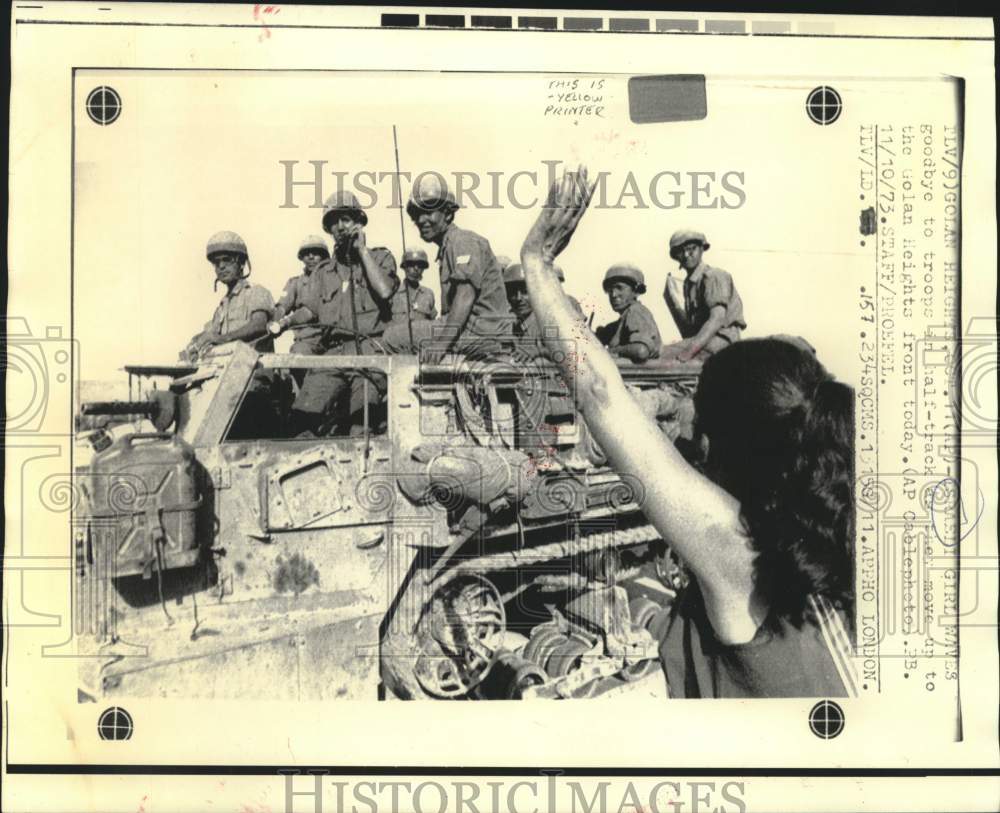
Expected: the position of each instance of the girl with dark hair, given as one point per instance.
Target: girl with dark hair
(765, 527)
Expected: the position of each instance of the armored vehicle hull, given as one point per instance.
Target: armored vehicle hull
(461, 537)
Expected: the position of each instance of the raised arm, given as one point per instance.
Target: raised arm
(696, 517)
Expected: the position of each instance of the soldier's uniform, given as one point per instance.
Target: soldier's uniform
(526, 329)
(704, 288)
(463, 257)
(635, 324)
(307, 338)
(421, 302)
(328, 296)
(234, 311)
(236, 308)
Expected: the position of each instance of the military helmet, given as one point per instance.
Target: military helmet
(684, 236)
(503, 261)
(627, 272)
(430, 191)
(513, 273)
(415, 255)
(314, 242)
(225, 241)
(342, 201)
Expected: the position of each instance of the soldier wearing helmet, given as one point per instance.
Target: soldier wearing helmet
(349, 296)
(633, 335)
(525, 325)
(243, 313)
(707, 309)
(292, 309)
(413, 302)
(473, 304)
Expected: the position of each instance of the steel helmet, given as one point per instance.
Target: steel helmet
(342, 201)
(430, 191)
(513, 273)
(627, 272)
(503, 261)
(225, 241)
(415, 255)
(315, 242)
(684, 236)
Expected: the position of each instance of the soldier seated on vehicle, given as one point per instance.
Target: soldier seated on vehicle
(241, 316)
(634, 334)
(525, 328)
(708, 312)
(349, 297)
(412, 301)
(473, 305)
(292, 309)
(243, 313)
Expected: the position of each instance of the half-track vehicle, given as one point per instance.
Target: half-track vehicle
(464, 539)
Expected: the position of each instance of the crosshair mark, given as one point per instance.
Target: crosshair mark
(824, 105)
(826, 719)
(115, 724)
(104, 105)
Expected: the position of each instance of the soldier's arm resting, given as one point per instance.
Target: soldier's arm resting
(255, 327)
(634, 351)
(300, 316)
(716, 320)
(696, 517)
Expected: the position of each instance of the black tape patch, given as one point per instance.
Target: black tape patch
(656, 99)
(401, 20)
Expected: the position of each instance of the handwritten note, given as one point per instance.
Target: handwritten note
(575, 99)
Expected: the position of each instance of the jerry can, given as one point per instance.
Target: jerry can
(144, 497)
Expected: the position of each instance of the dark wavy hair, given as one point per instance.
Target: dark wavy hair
(781, 440)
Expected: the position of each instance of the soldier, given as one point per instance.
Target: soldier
(525, 327)
(243, 313)
(350, 297)
(292, 310)
(413, 302)
(708, 312)
(633, 335)
(473, 306)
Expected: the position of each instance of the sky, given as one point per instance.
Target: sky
(195, 152)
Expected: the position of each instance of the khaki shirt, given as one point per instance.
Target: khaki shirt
(705, 288)
(635, 324)
(464, 256)
(236, 308)
(328, 295)
(295, 296)
(529, 331)
(421, 303)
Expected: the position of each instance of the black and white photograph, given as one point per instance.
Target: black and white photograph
(365, 360)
